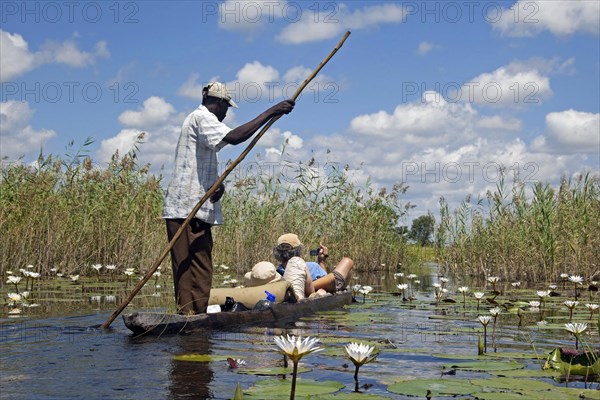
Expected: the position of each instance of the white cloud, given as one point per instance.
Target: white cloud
(499, 122)
(424, 48)
(330, 23)
(191, 88)
(157, 147)
(155, 111)
(561, 18)
(17, 137)
(17, 59)
(517, 84)
(570, 132)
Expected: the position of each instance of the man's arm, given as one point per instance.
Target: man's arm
(245, 131)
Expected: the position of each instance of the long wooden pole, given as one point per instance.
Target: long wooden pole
(214, 187)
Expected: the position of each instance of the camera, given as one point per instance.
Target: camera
(314, 253)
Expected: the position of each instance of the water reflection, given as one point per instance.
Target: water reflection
(191, 380)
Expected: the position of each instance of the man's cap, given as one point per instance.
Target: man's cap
(218, 90)
(290, 239)
(262, 273)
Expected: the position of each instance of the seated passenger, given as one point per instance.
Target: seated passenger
(262, 273)
(296, 271)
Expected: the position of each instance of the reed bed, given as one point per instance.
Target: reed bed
(519, 236)
(65, 215)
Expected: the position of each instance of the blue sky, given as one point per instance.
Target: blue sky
(438, 95)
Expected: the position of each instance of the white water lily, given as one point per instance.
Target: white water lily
(436, 285)
(411, 276)
(398, 275)
(478, 295)
(571, 304)
(110, 267)
(534, 304)
(13, 279)
(74, 278)
(577, 279)
(296, 348)
(495, 311)
(564, 276)
(416, 281)
(463, 289)
(516, 284)
(552, 287)
(543, 293)
(129, 271)
(34, 275)
(576, 328)
(484, 319)
(592, 307)
(360, 353)
(14, 298)
(493, 279)
(97, 267)
(402, 286)
(364, 290)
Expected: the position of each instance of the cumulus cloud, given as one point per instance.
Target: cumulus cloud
(518, 84)
(154, 111)
(17, 137)
(330, 22)
(256, 81)
(570, 132)
(17, 59)
(561, 18)
(157, 147)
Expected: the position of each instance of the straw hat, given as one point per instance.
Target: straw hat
(289, 239)
(262, 273)
(218, 90)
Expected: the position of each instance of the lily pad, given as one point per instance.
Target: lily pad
(437, 387)
(527, 373)
(271, 371)
(349, 396)
(520, 395)
(280, 388)
(513, 384)
(485, 366)
(200, 357)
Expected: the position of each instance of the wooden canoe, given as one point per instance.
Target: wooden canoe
(141, 323)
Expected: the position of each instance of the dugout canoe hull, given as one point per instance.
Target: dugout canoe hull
(142, 323)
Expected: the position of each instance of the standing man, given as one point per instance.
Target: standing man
(203, 134)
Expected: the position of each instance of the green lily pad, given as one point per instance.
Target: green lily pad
(437, 387)
(520, 395)
(527, 373)
(271, 371)
(349, 396)
(485, 366)
(513, 384)
(200, 357)
(280, 388)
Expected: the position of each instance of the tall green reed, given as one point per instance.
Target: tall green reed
(518, 236)
(69, 214)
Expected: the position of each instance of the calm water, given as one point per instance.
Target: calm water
(46, 357)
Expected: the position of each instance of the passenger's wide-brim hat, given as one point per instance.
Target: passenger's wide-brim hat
(289, 239)
(218, 90)
(262, 273)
